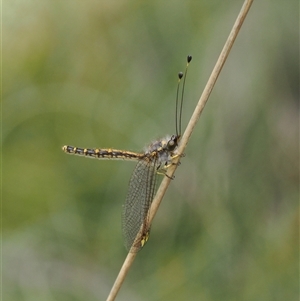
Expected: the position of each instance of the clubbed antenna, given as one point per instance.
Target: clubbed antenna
(178, 113)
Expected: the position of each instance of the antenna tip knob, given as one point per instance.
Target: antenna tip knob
(189, 58)
(180, 75)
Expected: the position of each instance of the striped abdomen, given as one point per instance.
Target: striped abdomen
(103, 153)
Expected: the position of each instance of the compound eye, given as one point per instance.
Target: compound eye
(171, 143)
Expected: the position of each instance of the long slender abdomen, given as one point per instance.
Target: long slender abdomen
(103, 153)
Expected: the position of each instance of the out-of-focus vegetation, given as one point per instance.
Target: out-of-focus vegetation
(103, 74)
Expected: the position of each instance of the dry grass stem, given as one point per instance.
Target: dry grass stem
(184, 140)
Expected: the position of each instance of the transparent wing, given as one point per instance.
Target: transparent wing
(138, 201)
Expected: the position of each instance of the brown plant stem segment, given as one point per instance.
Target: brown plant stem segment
(192, 123)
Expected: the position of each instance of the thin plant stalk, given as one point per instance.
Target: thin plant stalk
(185, 138)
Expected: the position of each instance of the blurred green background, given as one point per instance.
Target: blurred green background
(104, 74)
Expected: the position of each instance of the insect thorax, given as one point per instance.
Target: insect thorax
(163, 150)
